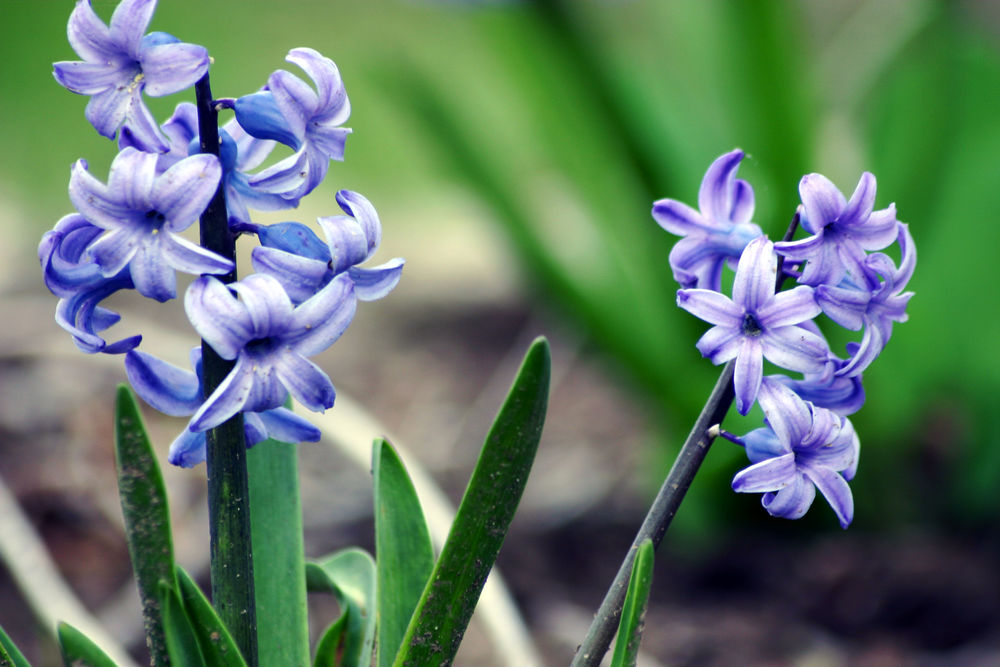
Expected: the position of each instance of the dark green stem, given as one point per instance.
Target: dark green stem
(226, 462)
(661, 513)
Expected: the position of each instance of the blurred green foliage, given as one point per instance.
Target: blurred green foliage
(568, 118)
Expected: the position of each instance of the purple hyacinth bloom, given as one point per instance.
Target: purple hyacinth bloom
(802, 448)
(307, 120)
(718, 232)
(757, 323)
(143, 215)
(269, 339)
(303, 264)
(876, 305)
(841, 230)
(180, 393)
(71, 274)
(119, 64)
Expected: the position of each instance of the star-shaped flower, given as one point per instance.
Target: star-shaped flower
(119, 64)
(718, 232)
(269, 340)
(841, 230)
(179, 393)
(757, 323)
(802, 448)
(143, 214)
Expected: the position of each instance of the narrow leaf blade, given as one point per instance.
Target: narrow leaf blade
(483, 517)
(217, 645)
(634, 611)
(147, 517)
(78, 649)
(404, 556)
(181, 640)
(10, 655)
(350, 575)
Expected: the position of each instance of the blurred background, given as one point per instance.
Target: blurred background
(513, 150)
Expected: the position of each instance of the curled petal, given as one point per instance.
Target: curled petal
(285, 426)
(331, 97)
(300, 276)
(678, 218)
(266, 302)
(715, 197)
(322, 319)
(183, 191)
(836, 491)
(129, 22)
(188, 449)
(720, 344)
(793, 501)
(217, 316)
(227, 399)
(89, 36)
(787, 414)
(771, 474)
(862, 202)
(171, 390)
(307, 383)
(376, 282)
(153, 277)
(821, 200)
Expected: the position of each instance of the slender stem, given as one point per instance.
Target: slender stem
(675, 486)
(602, 630)
(226, 456)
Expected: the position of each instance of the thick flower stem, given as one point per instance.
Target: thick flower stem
(226, 462)
(675, 486)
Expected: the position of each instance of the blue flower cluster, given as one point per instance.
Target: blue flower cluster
(807, 442)
(125, 233)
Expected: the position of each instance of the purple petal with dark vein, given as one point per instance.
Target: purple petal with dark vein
(720, 344)
(844, 306)
(254, 430)
(872, 343)
(153, 277)
(188, 449)
(860, 206)
(300, 276)
(836, 491)
(182, 192)
(878, 231)
(795, 349)
(329, 141)
(789, 307)
(227, 399)
(346, 241)
(793, 501)
(821, 200)
(755, 275)
(679, 218)
(376, 282)
(743, 202)
(786, 413)
(711, 306)
(284, 177)
(768, 475)
(716, 191)
(89, 36)
(322, 319)
(266, 302)
(170, 68)
(285, 426)
(747, 374)
(171, 390)
(146, 134)
(309, 385)
(131, 178)
(266, 391)
(295, 98)
(129, 22)
(185, 256)
(106, 111)
(331, 95)
(87, 78)
(115, 250)
(217, 316)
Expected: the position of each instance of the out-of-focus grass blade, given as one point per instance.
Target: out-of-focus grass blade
(79, 651)
(404, 556)
(633, 613)
(278, 554)
(147, 517)
(483, 517)
(350, 575)
(181, 640)
(10, 656)
(217, 645)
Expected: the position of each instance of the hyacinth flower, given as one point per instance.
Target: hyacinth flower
(842, 231)
(802, 448)
(120, 64)
(717, 233)
(239, 154)
(71, 274)
(303, 264)
(142, 214)
(179, 393)
(876, 305)
(269, 339)
(288, 110)
(757, 323)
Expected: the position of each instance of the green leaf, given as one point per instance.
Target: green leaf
(147, 517)
(278, 554)
(217, 645)
(181, 640)
(404, 556)
(330, 647)
(10, 656)
(634, 610)
(79, 651)
(350, 575)
(481, 523)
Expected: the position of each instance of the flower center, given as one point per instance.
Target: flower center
(259, 347)
(751, 327)
(155, 220)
